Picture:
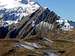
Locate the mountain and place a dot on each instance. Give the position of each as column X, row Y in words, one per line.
column 72, row 23
column 17, row 21
column 15, row 9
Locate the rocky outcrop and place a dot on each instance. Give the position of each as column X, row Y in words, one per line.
column 25, row 27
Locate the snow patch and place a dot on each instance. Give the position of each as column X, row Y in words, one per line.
column 18, row 8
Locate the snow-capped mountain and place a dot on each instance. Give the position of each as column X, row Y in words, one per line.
column 66, row 25
column 12, row 10
column 33, row 14
column 8, row 4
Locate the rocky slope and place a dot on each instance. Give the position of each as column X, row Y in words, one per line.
column 40, row 15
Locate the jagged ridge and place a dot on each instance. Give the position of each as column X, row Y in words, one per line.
column 25, row 28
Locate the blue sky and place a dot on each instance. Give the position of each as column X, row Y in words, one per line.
column 64, row 8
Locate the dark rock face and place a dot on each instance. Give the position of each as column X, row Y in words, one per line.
column 11, row 14
column 24, row 1
column 10, row 17
column 25, row 28
column 3, row 32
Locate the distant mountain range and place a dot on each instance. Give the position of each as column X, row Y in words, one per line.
column 72, row 23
